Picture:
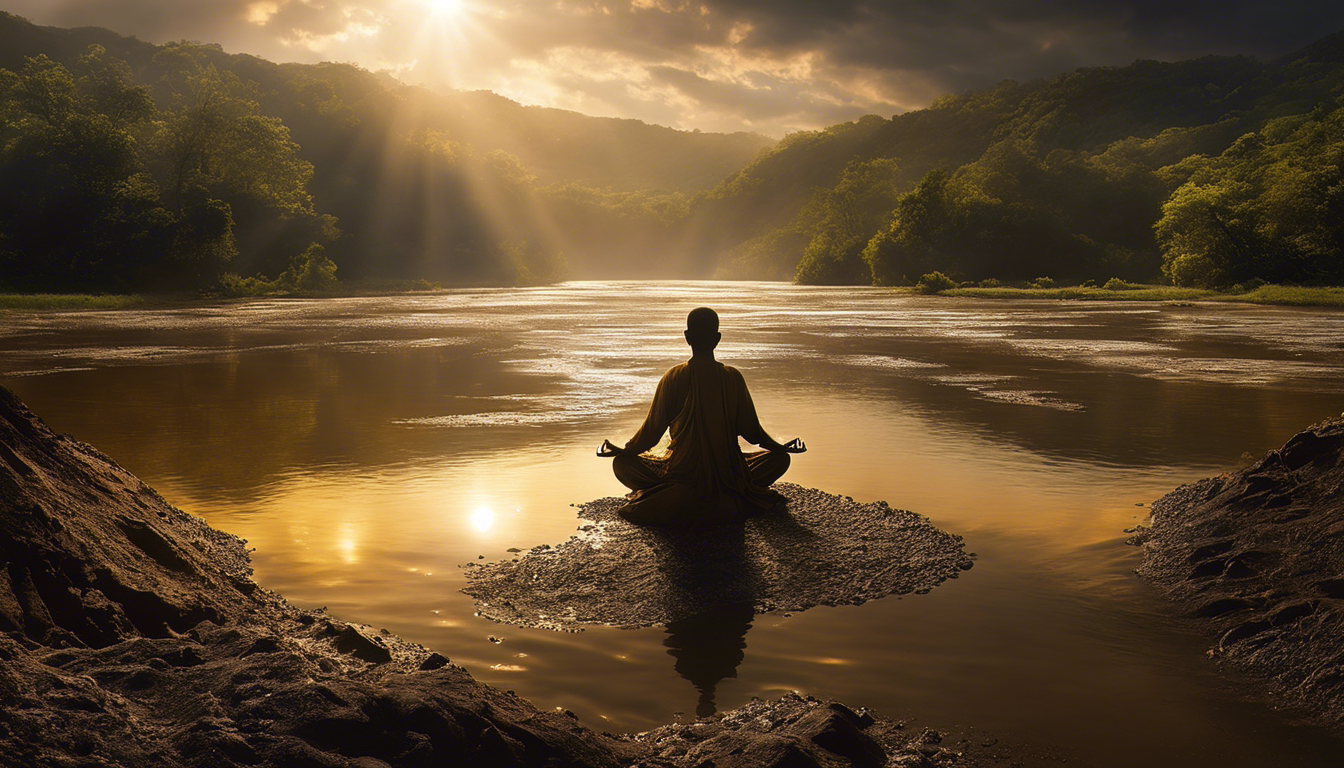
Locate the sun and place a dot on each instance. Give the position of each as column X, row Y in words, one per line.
column 445, row 8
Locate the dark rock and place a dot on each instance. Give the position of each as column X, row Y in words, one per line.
column 263, row 645
column 838, row 731
column 361, row 646
column 1221, row 606
column 434, row 661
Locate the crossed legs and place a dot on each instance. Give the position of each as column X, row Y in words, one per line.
column 639, row 473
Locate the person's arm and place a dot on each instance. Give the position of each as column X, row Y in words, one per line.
column 655, row 424
column 749, row 424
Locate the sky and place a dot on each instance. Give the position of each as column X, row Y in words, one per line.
column 770, row 66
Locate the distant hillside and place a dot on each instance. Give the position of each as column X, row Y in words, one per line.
column 1074, row 161
column 561, row 146
column 396, row 182
column 555, row 145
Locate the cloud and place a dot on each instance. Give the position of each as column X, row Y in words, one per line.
column 768, row 65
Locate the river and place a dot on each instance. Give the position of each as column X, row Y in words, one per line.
column 369, row 447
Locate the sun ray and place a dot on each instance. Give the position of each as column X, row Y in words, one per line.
column 445, row 9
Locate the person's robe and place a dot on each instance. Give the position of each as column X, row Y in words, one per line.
column 705, row 406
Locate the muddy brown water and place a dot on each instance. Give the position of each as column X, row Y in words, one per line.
column 368, row 447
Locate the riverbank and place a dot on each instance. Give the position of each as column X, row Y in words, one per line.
column 1256, row 558
column 168, row 300
column 1276, row 295
column 132, row 633
column 1282, row 295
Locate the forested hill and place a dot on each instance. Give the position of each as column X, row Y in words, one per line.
column 131, row 166
column 557, row 146
column 1210, row 171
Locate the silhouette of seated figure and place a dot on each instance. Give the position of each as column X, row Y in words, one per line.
column 704, row 477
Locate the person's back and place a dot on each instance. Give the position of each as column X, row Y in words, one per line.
column 704, row 476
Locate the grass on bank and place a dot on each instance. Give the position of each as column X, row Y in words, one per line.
column 1295, row 295
column 1116, row 289
column 21, row 302
column 1138, row 293
column 1292, row 295
column 35, row 301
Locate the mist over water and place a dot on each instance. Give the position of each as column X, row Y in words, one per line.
column 368, row 447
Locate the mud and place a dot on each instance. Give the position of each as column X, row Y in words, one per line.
column 822, row 550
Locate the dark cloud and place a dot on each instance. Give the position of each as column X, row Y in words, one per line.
column 771, row 65
column 760, row 100
column 965, row 43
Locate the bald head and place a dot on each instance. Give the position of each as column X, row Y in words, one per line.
column 702, row 330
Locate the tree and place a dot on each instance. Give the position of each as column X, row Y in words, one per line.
column 77, row 208
column 841, row 219
column 214, row 144
column 213, row 135
column 920, row 235
column 1271, row 207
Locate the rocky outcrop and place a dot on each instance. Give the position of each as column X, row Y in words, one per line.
column 1257, row 556
column 131, row 633
column 134, row 635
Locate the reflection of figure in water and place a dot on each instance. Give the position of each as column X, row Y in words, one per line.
column 708, row 649
column 704, row 476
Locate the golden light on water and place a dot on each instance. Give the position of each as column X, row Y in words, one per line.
column 348, row 546
column 483, row 518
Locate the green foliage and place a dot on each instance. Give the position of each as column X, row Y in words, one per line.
column 78, row 206
column 831, row 258
column 1065, row 177
column 533, row 263
column 213, row 135
column 1043, row 282
column 838, row 221
column 1270, row 207
column 765, row 257
column 27, row 302
column 922, row 229
column 934, row 282
column 1116, row 284
column 310, row 271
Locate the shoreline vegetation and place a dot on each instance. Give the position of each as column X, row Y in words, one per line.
column 1278, row 295
column 1283, row 295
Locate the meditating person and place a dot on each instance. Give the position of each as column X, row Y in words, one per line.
column 703, row 477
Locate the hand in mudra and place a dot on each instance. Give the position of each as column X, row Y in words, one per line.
column 608, row 449
column 796, row 445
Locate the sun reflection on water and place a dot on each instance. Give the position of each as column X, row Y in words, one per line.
column 483, row 518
